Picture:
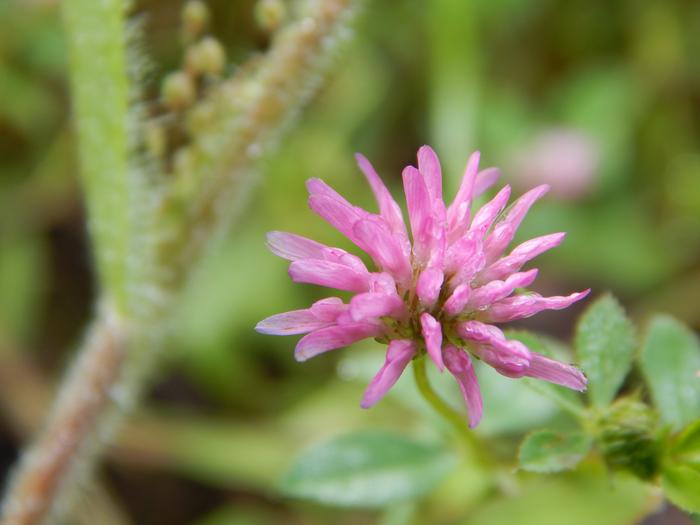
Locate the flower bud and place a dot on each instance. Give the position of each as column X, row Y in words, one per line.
column 627, row 437
column 178, row 90
column 270, row 14
column 206, row 57
column 195, row 16
column 155, row 139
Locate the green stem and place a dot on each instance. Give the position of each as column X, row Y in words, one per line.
column 456, row 419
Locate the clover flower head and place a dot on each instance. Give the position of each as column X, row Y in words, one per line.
column 440, row 291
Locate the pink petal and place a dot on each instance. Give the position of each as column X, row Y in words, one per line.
column 329, row 274
column 419, row 212
column 398, row 355
column 384, row 248
column 461, row 367
column 520, row 255
column 429, row 167
column 334, row 337
column 388, row 208
column 542, row 367
column 488, row 212
column 522, row 306
column 382, row 282
column 373, row 305
column 497, row 290
column 291, row 323
column 329, row 309
column 458, row 300
column 464, row 259
column 432, row 334
column 458, row 212
column 294, row 247
column 504, row 231
column 428, row 286
column 510, row 358
column 485, row 179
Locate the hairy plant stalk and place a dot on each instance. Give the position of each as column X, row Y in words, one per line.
column 75, row 427
column 158, row 240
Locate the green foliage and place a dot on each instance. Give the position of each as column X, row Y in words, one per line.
column 548, row 451
column 367, row 469
column 604, row 345
column 681, row 483
column 686, row 446
column 670, row 360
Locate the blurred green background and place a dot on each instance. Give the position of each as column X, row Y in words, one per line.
column 600, row 99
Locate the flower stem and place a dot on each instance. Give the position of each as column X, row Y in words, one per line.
column 441, row 407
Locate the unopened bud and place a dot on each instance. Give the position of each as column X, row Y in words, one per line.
column 178, row 90
column 195, row 16
column 155, row 139
column 200, row 117
column 206, row 57
column 627, row 437
column 270, row 14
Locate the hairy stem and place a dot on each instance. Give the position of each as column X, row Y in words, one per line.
column 73, row 429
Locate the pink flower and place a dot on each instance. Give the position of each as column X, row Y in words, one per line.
column 437, row 292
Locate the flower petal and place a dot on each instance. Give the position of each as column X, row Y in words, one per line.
column 294, row 247
column 428, row 286
column 485, row 179
column 398, row 355
column 291, row 323
column 329, row 274
column 372, row 305
column 542, row 367
column 329, row 309
column 488, row 212
column 504, row 231
column 419, row 212
column 510, row 358
column 333, row 337
column 384, row 248
column 388, row 208
column 461, row 367
column 520, row 255
column 497, row 290
column 432, row 334
column 465, row 259
column 458, row 300
column 429, row 167
column 522, row 306
column 458, row 212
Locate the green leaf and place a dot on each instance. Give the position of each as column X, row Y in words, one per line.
column 670, row 362
column 605, row 343
column 682, row 486
column 367, row 469
column 548, row 451
column 687, row 444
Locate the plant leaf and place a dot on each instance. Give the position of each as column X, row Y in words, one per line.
column 670, row 362
column 548, row 451
column 605, row 342
column 687, row 444
column 367, row 469
column 682, row 486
